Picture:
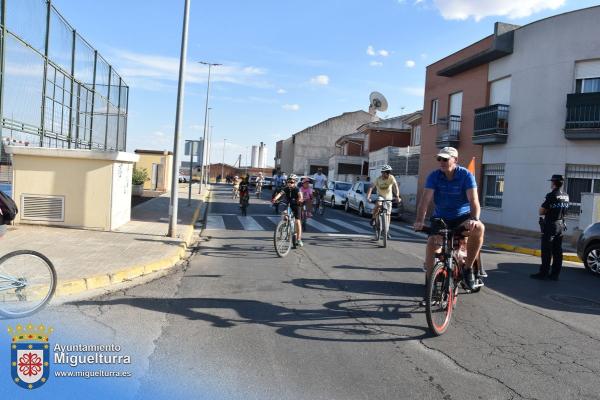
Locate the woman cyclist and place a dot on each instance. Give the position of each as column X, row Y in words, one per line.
column 293, row 197
column 307, row 196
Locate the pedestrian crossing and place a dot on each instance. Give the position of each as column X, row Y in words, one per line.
column 330, row 226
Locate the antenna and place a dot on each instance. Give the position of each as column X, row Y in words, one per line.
column 377, row 102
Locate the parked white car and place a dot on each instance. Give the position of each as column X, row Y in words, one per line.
column 357, row 200
column 336, row 193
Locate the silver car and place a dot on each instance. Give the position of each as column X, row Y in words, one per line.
column 336, row 193
column 356, row 199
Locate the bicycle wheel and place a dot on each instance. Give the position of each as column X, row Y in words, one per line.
column 383, row 224
column 282, row 239
column 439, row 300
column 377, row 229
column 27, row 283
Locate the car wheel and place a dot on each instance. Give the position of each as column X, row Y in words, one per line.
column 332, row 203
column 591, row 258
column 347, row 206
column 361, row 210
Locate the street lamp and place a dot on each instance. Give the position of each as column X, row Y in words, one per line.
column 205, row 119
column 178, row 118
column 223, row 161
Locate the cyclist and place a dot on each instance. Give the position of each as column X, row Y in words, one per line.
column 260, row 180
column 386, row 186
column 278, row 184
column 236, row 186
column 307, row 196
column 244, row 189
column 453, row 190
column 293, row 197
column 320, row 185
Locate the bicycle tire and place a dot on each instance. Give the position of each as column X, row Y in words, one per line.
column 282, row 239
column 438, row 291
column 42, row 291
column 384, row 233
column 377, row 230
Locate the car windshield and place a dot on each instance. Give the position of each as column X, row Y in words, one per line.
column 343, row 186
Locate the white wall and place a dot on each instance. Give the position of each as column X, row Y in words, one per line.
column 542, row 74
column 121, row 195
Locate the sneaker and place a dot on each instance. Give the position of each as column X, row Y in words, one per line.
column 299, row 243
column 373, row 222
column 538, row 276
column 481, row 273
column 423, row 302
column 469, row 279
column 389, row 235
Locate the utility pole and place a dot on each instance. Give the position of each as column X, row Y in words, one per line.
column 178, row 118
column 223, row 161
column 210, row 132
column 205, row 120
column 205, row 175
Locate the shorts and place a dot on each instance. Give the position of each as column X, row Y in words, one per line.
column 295, row 210
column 451, row 223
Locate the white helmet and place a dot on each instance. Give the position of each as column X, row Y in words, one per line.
column 292, row 177
column 236, row 177
column 386, row 168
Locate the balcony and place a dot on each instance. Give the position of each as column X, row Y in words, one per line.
column 448, row 131
column 491, row 124
column 583, row 116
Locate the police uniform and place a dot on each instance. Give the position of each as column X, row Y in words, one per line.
column 556, row 205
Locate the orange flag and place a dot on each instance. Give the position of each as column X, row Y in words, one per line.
column 471, row 166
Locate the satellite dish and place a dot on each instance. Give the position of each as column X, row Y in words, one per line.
column 377, row 102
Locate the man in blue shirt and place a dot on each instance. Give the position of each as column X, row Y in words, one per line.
column 453, row 190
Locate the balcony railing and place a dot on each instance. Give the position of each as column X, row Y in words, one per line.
column 448, row 131
column 491, row 124
column 583, row 116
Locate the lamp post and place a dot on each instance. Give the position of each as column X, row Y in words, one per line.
column 206, row 154
column 223, row 161
column 178, row 118
column 205, row 120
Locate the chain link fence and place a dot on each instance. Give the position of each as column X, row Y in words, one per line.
column 56, row 90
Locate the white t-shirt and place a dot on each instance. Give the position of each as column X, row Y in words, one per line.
column 319, row 181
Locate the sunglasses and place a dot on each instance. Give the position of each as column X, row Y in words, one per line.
column 442, row 159
column 386, row 172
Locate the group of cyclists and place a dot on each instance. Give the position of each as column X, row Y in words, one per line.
column 452, row 189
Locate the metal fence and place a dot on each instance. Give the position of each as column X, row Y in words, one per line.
column 56, row 90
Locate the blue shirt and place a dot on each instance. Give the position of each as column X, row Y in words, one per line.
column 450, row 197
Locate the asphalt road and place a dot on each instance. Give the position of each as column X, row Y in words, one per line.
column 339, row 319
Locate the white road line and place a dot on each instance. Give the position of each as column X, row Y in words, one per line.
column 319, row 226
column 250, row 224
column 351, row 227
column 350, row 235
column 215, row 222
column 398, row 228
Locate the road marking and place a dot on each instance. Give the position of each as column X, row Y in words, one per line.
column 250, row 224
column 215, row 222
column 399, row 228
column 274, row 219
column 350, row 226
column 350, row 235
column 321, row 227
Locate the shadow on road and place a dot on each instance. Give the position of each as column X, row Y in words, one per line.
column 336, row 321
column 577, row 290
column 380, row 288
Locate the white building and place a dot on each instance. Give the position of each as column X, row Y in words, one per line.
column 548, row 91
column 311, row 148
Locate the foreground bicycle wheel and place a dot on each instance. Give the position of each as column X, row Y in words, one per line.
column 439, row 300
column 27, row 283
column 384, row 227
column 282, row 238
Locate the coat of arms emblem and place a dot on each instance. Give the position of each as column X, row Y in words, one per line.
column 30, row 355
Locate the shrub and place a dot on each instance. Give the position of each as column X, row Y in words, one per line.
column 139, row 176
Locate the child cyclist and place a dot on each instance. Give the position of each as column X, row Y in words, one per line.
column 307, row 196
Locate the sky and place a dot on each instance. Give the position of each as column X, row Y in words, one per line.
column 287, row 65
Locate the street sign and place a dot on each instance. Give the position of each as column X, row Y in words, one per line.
column 194, row 147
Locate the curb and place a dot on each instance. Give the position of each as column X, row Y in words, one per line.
column 80, row 285
column 572, row 257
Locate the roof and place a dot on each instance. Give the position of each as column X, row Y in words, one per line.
column 155, row 152
column 351, row 136
column 399, row 123
column 333, row 118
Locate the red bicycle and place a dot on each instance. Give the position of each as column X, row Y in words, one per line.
column 443, row 285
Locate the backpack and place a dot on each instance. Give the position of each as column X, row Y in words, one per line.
column 8, row 207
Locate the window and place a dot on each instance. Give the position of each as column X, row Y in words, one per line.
column 587, row 85
column 493, row 185
column 581, row 179
column 434, row 111
column 416, row 135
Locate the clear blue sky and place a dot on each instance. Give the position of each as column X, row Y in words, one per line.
column 287, row 64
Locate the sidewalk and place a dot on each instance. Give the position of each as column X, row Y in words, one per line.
column 87, row 260
column 516, row 243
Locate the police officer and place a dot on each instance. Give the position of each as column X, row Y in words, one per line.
column 553, row 226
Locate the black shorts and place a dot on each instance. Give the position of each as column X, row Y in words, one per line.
column 450, row 223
